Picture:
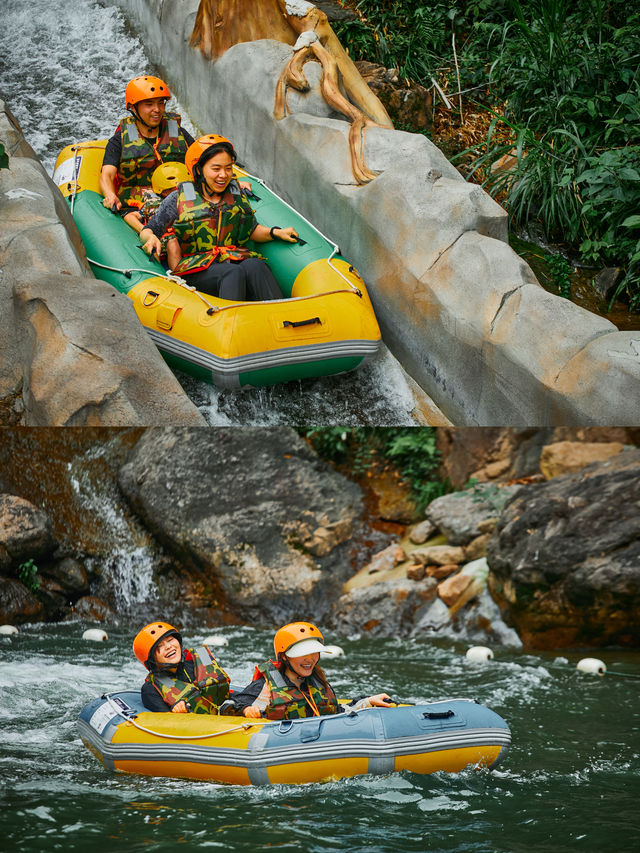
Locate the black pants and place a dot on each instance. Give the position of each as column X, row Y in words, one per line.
column 250, row 280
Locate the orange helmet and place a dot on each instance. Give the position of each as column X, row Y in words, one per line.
column 146, row 639
column 197, row 148
column 144, row 88
column 168, row 176
column 297, row 639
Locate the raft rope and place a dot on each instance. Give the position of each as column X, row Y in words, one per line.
column 169, row 276
column 215, row 309
column 241, row 727
column 131, row 720
column 335, row 247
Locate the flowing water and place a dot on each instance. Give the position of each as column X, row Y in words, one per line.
column 571, row 780
column 63, row 70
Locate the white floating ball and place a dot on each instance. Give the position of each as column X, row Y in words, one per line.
column 97, row 635
column 215, row 640
column 592, row 665
column 8, row 630
column 332, row 652
column 479, row 653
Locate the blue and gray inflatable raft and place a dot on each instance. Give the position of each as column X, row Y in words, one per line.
column 448, row 735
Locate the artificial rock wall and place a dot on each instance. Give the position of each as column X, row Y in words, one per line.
column 72, row 351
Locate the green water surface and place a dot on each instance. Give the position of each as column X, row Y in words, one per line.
column 570, row 782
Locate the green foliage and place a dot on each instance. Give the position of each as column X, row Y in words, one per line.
column 4, row 157
column 564, row 80
column 560, row 270
column 28, row 573
column 569, row 76
column 412, row 451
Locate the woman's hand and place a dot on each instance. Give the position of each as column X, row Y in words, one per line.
column 180, row 708
column 288, row 235
column 252, row 711
column 380, row 700
column 245, row 186
column 151, row 242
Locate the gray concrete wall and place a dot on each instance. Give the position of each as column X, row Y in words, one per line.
column 72, row 350
column 459, row 309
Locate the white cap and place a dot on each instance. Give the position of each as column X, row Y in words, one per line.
column 305, row 647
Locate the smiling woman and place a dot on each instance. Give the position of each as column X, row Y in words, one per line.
column 294, row 686
column 181, row 682
column 213, row 222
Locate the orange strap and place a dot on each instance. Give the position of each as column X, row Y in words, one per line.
column 311, row 703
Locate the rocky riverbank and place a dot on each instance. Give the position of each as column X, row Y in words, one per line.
column 251, row 526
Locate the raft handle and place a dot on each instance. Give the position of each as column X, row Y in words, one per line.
column 438, row 715
column 150, row 294
column 309, row 322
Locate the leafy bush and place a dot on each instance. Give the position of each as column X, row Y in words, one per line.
column 412, row 451
column 568, row 74
column 562, row 80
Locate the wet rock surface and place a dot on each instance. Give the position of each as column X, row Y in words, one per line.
column 25, row 531
column 250, row 525
column 565, row 557
column 252, row 512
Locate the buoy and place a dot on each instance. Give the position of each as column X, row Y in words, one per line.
column 479, row 653
column 215, row 640
column 8, row 630
column 592, row 665
column 95, row 634
column 332, row 652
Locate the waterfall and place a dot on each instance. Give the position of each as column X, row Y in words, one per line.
column 126, row 566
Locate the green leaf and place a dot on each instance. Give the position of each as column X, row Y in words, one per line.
column 4, row 158
column 631, row 222
column 629, row 174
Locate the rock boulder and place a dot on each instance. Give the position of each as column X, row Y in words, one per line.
column 25, row 530
column 458, row 515
column 242, row 508
column 565, row 457
column 17, row 604
column 565, row 557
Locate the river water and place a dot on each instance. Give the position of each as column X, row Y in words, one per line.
column 570, row 782
column 63, row 70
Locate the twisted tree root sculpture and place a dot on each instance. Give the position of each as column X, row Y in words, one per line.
column 222, row 23
column 307, row 48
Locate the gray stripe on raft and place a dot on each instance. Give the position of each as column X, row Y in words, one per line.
column 258, row 773
column 260, row 758
column 225, row 370
column 383, row 763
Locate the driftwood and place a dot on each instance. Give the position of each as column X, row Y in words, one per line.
column 222, row 23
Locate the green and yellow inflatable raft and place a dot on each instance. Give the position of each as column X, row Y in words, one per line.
column 326, row 325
